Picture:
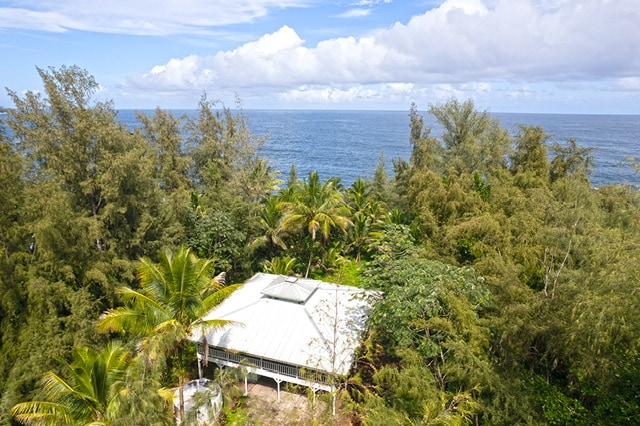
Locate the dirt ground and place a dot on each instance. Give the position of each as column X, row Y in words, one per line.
column 264, row 409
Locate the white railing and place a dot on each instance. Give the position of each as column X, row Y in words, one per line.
column 298, row 372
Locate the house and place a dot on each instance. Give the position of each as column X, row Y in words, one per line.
column 295, row 330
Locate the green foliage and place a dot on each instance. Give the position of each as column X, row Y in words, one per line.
column 225, row 160
column 367, row 218
column 163, row 131
column 426, row 152
column 380, row 184
column 280, row 266
column 548, row 334
column 14, row 244
column 473, row 141
column 551, row 248
column 482, row 187
column 428, row 310
column 349, row 273
column 211, row 234
column 94, row 160
column 293, row 176
column 557, row 408
column 83, row 197
column 270, row 234
column 570, row 159
column 232, row 181
column 88, row 396
column 11, row 192
column 174, row 297
column 416, row 292
column 429, row 328
column 142, row 399
column 530, row 161
column 314, row 209
column 57, row 318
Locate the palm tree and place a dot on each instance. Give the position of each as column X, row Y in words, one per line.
column 366, row 213
column 364, row 231
column 317, row 207
column 174, row 297
column 89, row 396
column 269, row 223
column 280, row 265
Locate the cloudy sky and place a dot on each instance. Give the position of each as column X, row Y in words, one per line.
column 573, row 56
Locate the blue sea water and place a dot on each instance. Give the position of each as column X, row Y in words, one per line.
column 348, row 144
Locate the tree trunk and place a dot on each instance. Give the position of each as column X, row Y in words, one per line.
column 306, row 275
column 181, row 397
column 181, row 377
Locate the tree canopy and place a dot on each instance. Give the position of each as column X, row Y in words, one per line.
column 508, row 283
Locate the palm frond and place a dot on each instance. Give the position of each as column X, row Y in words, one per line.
column 124, row 319
column 214, row 299
column 42, row 413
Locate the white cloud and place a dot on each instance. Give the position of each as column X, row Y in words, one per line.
column 463, row 48
column 521, row 50
column 355, row 13
column 24, row 18
column 461, row 40
column 140, row 17
column 372, row 2
column 350, row 94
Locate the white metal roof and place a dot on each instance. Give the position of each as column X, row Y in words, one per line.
column 302, row 322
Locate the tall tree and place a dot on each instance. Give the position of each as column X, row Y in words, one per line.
column 174, row 297
column 426, row 152
column 380, row 184
column 164, row 133
column 530, row 161
column 70, row 139
column 228, row 171
column 473, row 141
column 430, row 344
column 11, row 192
column 225, row 157
column 14, row 244
column 571, row 159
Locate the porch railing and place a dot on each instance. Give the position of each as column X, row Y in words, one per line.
column 295, row 371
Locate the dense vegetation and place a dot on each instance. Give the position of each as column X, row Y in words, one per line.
column 510, row 284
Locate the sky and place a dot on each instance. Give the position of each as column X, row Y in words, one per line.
column 547, row 56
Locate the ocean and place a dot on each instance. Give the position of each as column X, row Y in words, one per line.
column 348, row 144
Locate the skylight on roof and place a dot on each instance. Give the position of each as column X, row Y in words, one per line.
column 290, row 289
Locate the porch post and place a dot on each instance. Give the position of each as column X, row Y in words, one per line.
column 278, row 380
